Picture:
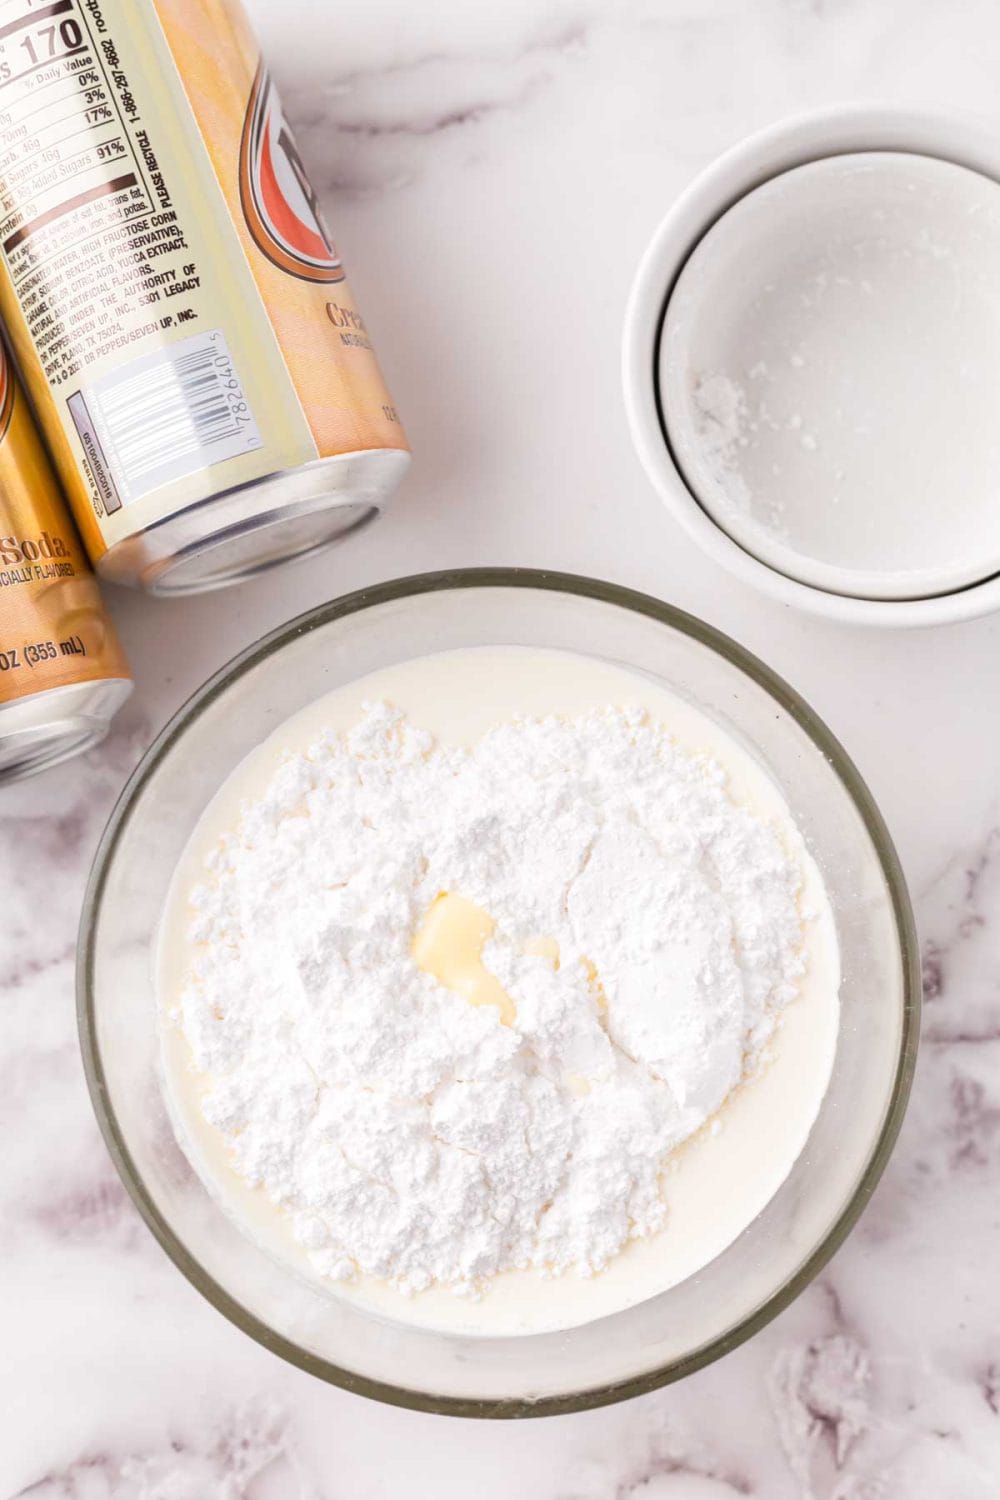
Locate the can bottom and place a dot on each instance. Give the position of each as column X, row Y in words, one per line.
column 244, row 531
column 48, row 727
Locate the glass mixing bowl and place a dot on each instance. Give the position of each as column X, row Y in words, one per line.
column 776, row 1255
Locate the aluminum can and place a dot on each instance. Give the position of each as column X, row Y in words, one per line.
column 63, row 675
column 202, row 376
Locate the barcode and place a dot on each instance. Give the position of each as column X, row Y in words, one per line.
column 169, row 413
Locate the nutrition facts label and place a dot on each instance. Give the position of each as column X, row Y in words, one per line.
column 107, row 277
column 88, row 229
column 163, row 282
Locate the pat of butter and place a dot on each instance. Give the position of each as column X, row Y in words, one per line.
column 543, row 947
column 449, row 946
column 594, row 981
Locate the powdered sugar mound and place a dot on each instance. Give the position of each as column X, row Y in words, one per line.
column 410, row 1135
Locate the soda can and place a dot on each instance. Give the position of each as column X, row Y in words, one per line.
column 202, row 375
column 62, row 672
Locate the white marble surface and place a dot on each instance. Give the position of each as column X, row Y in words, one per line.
column 492, row 174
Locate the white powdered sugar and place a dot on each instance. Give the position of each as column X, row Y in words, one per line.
column 408, row 1134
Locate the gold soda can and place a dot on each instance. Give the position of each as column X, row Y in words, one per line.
column 63, row 675
column 177, row 308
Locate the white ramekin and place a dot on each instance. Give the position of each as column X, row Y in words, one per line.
column 966, row 139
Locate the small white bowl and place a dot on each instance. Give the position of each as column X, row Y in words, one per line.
column 693, row 249
column 829, row 369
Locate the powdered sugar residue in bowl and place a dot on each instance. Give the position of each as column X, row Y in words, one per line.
column 826, row 370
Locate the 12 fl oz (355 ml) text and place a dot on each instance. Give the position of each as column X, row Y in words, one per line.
column 35, row 652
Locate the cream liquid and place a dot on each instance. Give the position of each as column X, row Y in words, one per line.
column 718, row 1181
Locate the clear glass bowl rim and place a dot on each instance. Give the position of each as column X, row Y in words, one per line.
column 828, row 745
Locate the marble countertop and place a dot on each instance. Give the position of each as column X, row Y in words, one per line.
column 492, row 175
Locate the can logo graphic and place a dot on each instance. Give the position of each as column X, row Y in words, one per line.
column 281, row 209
